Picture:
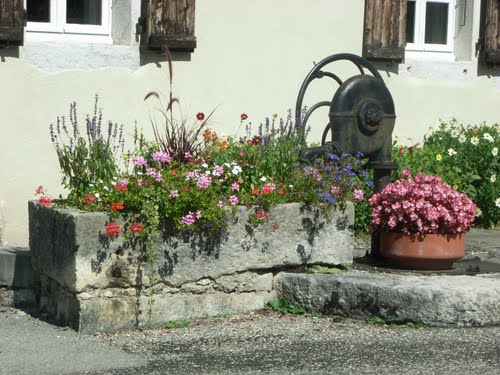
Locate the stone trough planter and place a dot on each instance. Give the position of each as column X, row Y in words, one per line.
column 96, row 286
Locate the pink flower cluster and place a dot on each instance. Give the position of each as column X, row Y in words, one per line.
column 161, row 157
column 152, row 172
column 139, row 161
column 421, row 205
column 204, row 181
column 190, row 218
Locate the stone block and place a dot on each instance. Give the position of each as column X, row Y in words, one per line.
column 70, row 247
column 15, row 268
column 433, row 300
column 97, row 285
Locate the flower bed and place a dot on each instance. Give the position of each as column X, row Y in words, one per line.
column 94, row 284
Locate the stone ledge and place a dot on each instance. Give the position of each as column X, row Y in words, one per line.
column 455, row 301
column 15, row 267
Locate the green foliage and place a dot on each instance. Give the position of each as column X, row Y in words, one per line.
column 284, row 307
column 465, row 157
column 177, row 324
column 89, row 158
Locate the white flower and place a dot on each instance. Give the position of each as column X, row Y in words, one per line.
column 236, row 170
column 493, row 178
column 139, row 173
column 497, row 202
column 100, row 181
column 474, row 141
column 91, row 185
column 115, row 178
column 455, row 133
column 97, row 195
column 204, row 165
column 263, row 179
column 462, row 138
column 479, row 212
column 494, row 151
column 451, row 152
column 105, row 188
column 290, row 186
column 488, row 137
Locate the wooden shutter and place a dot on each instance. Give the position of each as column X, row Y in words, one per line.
column 492, row 32
column 11, row 21
column 384, row 36
column 171, row 23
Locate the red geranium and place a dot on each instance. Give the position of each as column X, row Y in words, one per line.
column 45, row 201
column 112, row 230
column 136, row 227
column 117, row 206
column 255, row 192
column 120, row 186
column 243, row 116
column 262, row 215
column 89, row 198
column 200, row 116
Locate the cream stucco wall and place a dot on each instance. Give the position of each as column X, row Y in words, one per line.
column 251, row 57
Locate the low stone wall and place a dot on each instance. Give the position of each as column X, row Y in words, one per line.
column 97, row 285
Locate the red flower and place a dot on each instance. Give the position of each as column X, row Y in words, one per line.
column 255, row 192
column 200, row 116
column 173, row 171
column 120, row 186
column 39, row 189
column 89, row 198
column 266, row 190
column 410, row 149
column 243, row 116
column 112, row 230
column 401, row 150
column 262, row 215
column 281, row 191
column 45, row 201
column 186, row 187
column 136, row 227
column 117, row 206
column 254, row 141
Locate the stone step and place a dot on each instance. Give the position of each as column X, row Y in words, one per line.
column 17, row 279
column 453, row 301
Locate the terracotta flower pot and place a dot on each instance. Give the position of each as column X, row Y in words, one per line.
column 427, row 252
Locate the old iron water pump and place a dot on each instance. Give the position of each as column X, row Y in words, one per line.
column 361, row 119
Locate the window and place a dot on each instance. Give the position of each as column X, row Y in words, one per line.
column 429, row 25
column 69, row 20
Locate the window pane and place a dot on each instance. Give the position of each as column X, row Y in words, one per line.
column 86, row 12
column 436, row 23
column 410, row 22
column 38, row 10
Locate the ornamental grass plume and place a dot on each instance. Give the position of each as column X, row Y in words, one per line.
column 421, row 205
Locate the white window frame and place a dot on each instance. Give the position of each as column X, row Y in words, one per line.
column 419, row 32
column 57, row 30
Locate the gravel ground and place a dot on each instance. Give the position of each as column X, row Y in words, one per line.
column 266, row 342
column 263, row 342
